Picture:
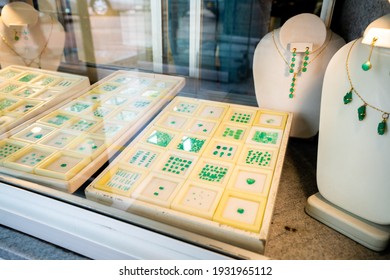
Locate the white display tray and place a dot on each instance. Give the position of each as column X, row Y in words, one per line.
column 26, row 92
column 65, row 147
column 169, row 172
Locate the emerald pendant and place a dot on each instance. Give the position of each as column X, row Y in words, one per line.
column 362, row 112
column 382, row 127
column 366, row 65
column 348, row 97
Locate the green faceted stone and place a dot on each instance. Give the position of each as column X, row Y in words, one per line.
column 292, row 65
column 366, row 66
column 291, row 95
column 362, row 112
column 348, row 97
column 291, row 90
column 292, row 84
column 291, row 70
column 382, row 127
column 304, row 69
column 250, row 181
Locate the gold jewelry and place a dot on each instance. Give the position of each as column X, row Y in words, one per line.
column 305, row 61
column 367, row 65
column 382, row 127
column 28, row 61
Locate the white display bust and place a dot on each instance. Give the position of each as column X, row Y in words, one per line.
column 353, row 159
column 30, row 38
column 271, row 70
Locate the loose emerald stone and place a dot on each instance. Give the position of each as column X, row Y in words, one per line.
column 240, row 211
column 362, row 112
column 250, row 181
column 348, row 97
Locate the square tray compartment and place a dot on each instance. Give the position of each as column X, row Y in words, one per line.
column 34, row 133
column 9, row 147
column 254, row 181
column 142, row 156
column 202, row 127
column 223, row 150
column 158, row 189
column 241, row 210
column 272, row 119
column 232, row 132
column 213, row 172
column 88, row 145
column 121, row 180
column 27, row 159
column 197, row 199
column 62, row 165
column 59, row 139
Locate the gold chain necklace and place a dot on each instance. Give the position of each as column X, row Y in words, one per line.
column 305, row 63
column 28, row 61
column 362, row 109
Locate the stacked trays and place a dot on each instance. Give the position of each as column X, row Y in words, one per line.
column 65, row 147
column 208, row 167
column 26, row 92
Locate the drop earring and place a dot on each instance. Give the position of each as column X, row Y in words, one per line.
column 16, row 36
column 291, row 70
column 367, row 65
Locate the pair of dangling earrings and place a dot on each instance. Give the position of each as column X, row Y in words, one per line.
column 305, row 62
column 367, row 65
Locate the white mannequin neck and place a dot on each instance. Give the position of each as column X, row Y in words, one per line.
column 19, row 14
column 30, row 38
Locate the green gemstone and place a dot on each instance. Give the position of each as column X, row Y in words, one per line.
column 292, row 84
column 291, row 90
column 291, row 95
column 250, row 181
column 304, row 69
column 240, row 211
column 293, row 59
column 306, row 58
column 362, row 112
column 305, row 63
column 382, row 127
column 348, row 97
column 292, row 65
column 366, row 66
column 291, row 70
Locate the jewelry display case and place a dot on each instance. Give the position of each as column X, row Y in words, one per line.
column 168, row 153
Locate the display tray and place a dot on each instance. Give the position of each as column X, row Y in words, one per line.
column 207, row 167
column 27, row 92
column 66, row 146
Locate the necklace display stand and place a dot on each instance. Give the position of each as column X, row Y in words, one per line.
column 353, row 158
column 30, row 38
column 272, row 76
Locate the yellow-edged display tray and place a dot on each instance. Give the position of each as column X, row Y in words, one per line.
column 207, row 167
column 65, row 147
column 27, row 92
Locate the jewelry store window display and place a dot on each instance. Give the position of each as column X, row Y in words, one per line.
column 353, row 152
column 289, row 65
column 30, row 38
